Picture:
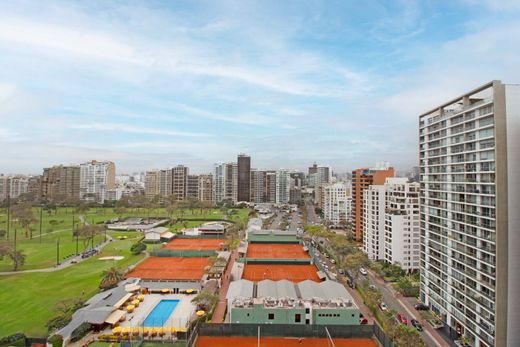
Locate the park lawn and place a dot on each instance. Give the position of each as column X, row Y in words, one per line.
column 27, row 299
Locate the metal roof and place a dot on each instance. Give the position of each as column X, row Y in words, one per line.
column 240, row 288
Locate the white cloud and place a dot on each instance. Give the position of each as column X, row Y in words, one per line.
column 134, row 129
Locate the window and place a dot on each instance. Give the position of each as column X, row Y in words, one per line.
column 270, row 316
column 297, row 318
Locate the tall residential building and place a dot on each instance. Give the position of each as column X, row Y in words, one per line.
column 17, row 186
column 319, row 175
column 179, row 182
column 34, row 187
column 270, row 187
column 218, row 182
column 361, row 180
column 205, row 188
column 374, row 205
column 244, row 178
column 470, row 193
column 164, row 181
column 4, row 187
column 95, row 178
column 151, row 183
column 192, row 187
column 60, row 183
column 225, row 182
column 337, row 202
column 258, row 192
column 282, row 186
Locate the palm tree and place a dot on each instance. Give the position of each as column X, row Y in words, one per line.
column 110, row 278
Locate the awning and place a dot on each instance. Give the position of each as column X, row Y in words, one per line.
column 115, row 317
column 167, row 235
column 132, row 287
column 123, row 300
column 321, row 275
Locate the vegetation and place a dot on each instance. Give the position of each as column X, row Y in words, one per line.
column 80, row 332
column 55, row 340
column 110, row 278
column 205, row 301
column 138, row 247
column 7, row 249
column 406, row 287
column 64, row 310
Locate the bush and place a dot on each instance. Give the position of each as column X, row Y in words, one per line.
column 58, row 322
column 80, row 332
column 137, row 248
column 17, row 339
column 55, row 340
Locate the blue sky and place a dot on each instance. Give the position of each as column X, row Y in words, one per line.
column 156, row 84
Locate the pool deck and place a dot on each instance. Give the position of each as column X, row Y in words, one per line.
column 179, row 318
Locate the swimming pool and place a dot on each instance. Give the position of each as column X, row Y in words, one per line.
column 160, row 313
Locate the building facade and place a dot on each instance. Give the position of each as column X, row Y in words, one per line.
column 258, row 184
column 283, row 180
column 180, row 182
column 374, row 205
column 244, row 178
column 361, row 180
column 205, row 190
column 468, row 156
column 60, row 183
column 96, row 177
column 337, row 202
column 151, row 184
column 192, row 187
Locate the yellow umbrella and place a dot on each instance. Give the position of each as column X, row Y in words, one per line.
column 135, row 302
column 181, row 330
column 125, row 331
column 200, row 313
column 173, row 330
column 135, row 331
column 146, row 331
column 130, row 308
column 189, row 291
column 116, row 330
column 140, row 297
column 162, row 331
column 165, row 290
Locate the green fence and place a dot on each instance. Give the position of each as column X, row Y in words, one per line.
column 182, row 253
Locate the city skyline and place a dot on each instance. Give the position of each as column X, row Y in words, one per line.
column 152, row 86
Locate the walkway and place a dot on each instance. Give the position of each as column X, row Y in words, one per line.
column 220, row 310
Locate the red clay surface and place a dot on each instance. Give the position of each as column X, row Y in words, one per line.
column 194, row 244
column 276, row 250
column 275, row 272
column 166, row 268
column 214, row 341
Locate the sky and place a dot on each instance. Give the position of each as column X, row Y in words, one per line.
column 154, row 84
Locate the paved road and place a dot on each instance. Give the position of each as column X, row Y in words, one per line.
column 312, row 217
column 218, row 315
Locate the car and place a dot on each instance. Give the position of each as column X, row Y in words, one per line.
column 402, row 318
column 383, row 306
column 416, row 324
column 362, row 319
column 372, row 287
column 333, row 261
column 363, row 271
column 421, row 307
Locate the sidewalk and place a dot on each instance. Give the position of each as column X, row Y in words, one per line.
column 218, row 315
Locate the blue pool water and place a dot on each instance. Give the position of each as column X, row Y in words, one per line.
column 160, row 313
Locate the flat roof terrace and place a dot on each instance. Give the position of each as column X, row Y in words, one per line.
column 170, row 268
column 276, row 250
column 276, row 272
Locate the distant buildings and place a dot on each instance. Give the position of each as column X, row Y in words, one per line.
column 60, row 183
column 469, row 176
column 95, row 178
column 179, row 182
column 337, row 202
column 282, row 186
column 192, row 187
column 361, row 180
column 225, row 182
column 205, row 191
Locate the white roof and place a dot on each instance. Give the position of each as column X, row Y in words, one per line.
column 240, row 288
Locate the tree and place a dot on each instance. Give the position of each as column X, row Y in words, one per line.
column 7, row 249
column 24, row 215
column 138, row 248
column 50, row 207
column 120, row 211
column 354, row 261
column 405, row 336
column 88, row 232
column 171, row 208
column 205, row 300
column 110, row 278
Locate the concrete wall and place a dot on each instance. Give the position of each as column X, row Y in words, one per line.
column 258, row 314
column 344, row 316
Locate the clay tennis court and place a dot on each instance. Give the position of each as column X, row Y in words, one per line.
column 214, row 341
column 275, row 272
column 194, row 244
column 276, row 250
column 166, row 268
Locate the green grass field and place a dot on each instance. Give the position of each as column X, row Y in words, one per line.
column 59, row 226
column 27, row 300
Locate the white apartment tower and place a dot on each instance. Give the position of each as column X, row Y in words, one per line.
column 225, row 182
column 283, row 186
column 401, row 223
column 337, row 202
column 373, row 215
column 470, row 192
column 95, row 178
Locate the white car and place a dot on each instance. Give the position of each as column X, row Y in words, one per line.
column 383, row 306
column 363, row 271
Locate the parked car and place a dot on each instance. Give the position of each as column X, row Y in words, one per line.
column 362, row 319
column 363, row 271
column 421, row 307
column 402, row 318
column 416, row 324
column 372, row 287
column 383, row 306
column 333, row 261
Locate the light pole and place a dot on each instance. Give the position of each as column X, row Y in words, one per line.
column 8, row 214
column 41, row 217
column 58, row 251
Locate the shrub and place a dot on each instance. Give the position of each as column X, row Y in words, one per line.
column 137, row 248
column 17, row 339
column 55, row 340
column 58, row 322
column 80, row 332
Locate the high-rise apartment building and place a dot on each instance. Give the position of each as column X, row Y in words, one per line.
column 179, row 182
column 4, row 187
column 225, row 182
column 361, row 180
column 205, row 190
column 470, row 254
column 282, row 186
column 374, row 205
column 337, row 202
column 95, row 178
column 17, row 186
column 258, row 185
column 60, row 183
column 244, row 178
column 151, row 183
column 270, row 187
column 192, row 187
column 164, row 180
